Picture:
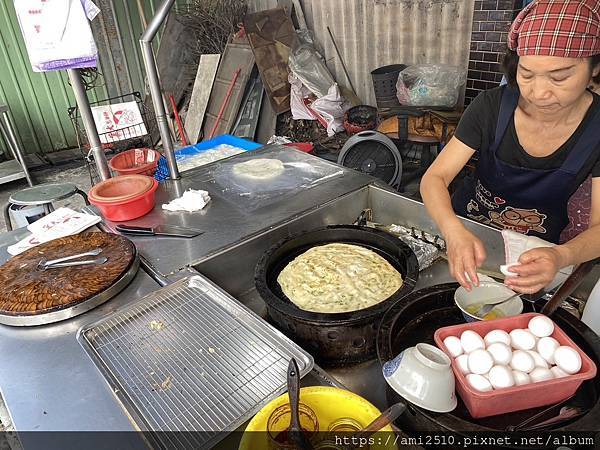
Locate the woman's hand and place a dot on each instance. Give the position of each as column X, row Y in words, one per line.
column 465, row 254
column 536, row 269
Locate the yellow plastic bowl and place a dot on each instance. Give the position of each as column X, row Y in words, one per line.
column 329, row 405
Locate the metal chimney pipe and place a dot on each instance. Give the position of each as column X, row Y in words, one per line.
column 154, row 82
column 87, row 118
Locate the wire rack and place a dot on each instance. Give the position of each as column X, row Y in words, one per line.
column 137, row 135
column 191, row 358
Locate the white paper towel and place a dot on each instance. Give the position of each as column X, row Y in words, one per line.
column 191, row 201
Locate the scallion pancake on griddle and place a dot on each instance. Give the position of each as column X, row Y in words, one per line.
column 335, row 278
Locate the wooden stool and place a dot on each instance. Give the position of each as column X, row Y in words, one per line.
column 41, row 195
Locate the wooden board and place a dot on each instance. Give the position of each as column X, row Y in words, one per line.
column 176, row 64
column 27, row 290
column 207, row 71
column 272, row 36
column 237, row 55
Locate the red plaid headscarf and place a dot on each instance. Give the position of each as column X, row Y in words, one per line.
column 565, row 28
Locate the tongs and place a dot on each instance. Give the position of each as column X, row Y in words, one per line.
column 67, row 261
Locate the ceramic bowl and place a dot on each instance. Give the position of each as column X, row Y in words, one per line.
column 423, row 375
column 487, row 290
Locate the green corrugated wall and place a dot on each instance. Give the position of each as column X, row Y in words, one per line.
column 38, row 102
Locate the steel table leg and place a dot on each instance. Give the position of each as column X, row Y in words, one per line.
column 14, row 145
column 7, row 217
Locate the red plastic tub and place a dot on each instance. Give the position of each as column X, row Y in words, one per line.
column 501, row 401
column 141, row 161
column 306, row 147
column 125, row 207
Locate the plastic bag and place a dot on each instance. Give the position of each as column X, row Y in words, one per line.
column 298, row 92
column 300, row 172
column 305, row 37
column 430, row 85
column 308, row 66
column 330, row 108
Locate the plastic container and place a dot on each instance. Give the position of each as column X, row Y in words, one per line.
column 306, row 147
column 120, row 188
column 141, row 161
column 162, row 171
column 384, row 85
column 360, row 118
column 126, row 207
column 329, row 404
column 501, row 401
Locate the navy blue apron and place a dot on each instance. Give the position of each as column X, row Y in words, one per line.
column 530, row 201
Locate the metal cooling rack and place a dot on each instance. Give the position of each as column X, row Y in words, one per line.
column 189, row 357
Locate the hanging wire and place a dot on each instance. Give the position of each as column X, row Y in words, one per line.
column 89, row 78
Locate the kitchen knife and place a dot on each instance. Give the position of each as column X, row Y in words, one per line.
column 161, row 230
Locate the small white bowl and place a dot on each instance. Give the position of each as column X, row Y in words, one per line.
column 423, row 375
column 487, row 290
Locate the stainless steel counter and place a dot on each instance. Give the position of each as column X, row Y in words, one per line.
column 47, row 380
column 49, row 383
column 224, row 221
column 366, row 378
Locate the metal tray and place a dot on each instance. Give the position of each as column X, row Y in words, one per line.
column 190, row 357
column 79, row 308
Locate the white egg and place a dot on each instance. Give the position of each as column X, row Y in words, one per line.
column 463, row 364
column 540, row 374
column 521, row 378
column 454, row 346
column 522, row 361
column 479, row 383
column 522, row 339
column 501, row 377
column 480, row 362
column 501, row 353
column 546, row 347
column 558, row 372
column 497, row 336
column 538, row 360
column 541, row 326
column 471, row 341
column 567, row 359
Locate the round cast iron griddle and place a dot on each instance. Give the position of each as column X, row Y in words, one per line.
column 27, row 294
column 415, row 319
column 336, row 337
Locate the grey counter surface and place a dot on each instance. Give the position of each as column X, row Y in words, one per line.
column 49, row 383
column 227, row 219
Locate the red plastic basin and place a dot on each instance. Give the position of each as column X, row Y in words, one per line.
column 124, row 209
column 120, row 188
column 135, row 161
column 501, row 401
column 306, row 147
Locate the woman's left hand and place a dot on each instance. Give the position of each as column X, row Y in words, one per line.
column 536, row 269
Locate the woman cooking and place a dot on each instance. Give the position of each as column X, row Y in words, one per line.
column 537, row 140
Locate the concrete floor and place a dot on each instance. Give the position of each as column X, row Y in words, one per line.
column 73, row 172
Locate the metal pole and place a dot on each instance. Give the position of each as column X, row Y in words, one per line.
column 154, row 82
column 13, row 145
column 142, row 13
column 337, row 50
column 83, row 104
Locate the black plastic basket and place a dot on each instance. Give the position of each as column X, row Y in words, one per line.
column 384, row 84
